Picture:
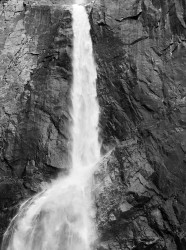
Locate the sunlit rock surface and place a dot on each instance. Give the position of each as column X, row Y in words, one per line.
column 140, row 50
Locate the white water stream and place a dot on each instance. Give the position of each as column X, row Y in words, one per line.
column 60, row 218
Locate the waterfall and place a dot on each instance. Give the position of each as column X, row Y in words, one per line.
column 85, row 151
column 60, row 218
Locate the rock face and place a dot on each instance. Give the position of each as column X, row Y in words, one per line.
column 36, row 74
column 140, row 49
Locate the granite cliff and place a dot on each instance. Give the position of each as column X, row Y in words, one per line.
column 36, row 72
column 140, row 51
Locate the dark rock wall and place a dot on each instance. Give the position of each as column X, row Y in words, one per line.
column 140, row 49
column 36, row 74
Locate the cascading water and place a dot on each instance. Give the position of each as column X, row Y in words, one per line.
column 86, row 151
column 61, row 216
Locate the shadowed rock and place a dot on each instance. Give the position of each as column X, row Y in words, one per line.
column 140, row 52
column 36, row 75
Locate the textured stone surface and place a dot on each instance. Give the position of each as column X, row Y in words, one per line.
column 140, row 48
column 35, row 78
column 140, row 51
